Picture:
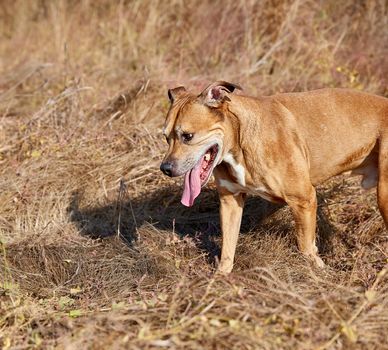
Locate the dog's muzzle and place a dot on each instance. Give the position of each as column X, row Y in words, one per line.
column 166, row 168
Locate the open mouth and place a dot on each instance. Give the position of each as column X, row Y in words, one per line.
column 198, row 176
column 207, row 163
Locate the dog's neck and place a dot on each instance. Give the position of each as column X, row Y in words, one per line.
column 239, row 133
column 233, row 153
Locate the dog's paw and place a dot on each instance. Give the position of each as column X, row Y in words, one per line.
column 317, row 261
column 224, row 269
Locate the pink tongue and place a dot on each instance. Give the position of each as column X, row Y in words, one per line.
column 192, row 185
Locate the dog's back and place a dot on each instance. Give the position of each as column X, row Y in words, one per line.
column 340, row 128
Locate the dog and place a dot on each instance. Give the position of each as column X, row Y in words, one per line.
column 278, row 147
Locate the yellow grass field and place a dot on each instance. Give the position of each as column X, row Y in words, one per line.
column 96, row 251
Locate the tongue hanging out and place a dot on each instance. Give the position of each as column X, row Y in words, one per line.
column 195, row 177
column 192, row 185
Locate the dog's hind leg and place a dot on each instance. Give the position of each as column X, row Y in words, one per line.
column 304, row 208
column 382, row 187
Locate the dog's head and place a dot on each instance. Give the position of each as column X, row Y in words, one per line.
column 195, row 130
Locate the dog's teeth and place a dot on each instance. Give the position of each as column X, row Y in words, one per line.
column 207, row 157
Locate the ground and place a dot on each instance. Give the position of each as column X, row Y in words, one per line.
column 96, row 250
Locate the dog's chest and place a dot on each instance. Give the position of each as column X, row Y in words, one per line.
column 237, row 183
column 236, row 169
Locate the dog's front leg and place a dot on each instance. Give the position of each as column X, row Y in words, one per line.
column 231, row 208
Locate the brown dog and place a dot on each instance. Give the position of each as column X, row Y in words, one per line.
column 278, row 147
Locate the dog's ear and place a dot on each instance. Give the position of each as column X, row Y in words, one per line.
column 174, row 93
column 215, row 94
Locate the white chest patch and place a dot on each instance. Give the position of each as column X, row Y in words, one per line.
column 230, row 186
column 237, row 169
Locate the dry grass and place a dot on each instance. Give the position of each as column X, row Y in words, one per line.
column 97, row 252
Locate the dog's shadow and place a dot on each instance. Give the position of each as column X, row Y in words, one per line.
column 163, row 210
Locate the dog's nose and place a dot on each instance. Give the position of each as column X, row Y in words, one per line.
column 166, row 168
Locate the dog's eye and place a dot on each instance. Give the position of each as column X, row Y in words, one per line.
column 187, row 137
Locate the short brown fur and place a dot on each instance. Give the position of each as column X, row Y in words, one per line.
column 279, row 147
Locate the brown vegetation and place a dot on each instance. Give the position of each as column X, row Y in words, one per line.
column 96, row 250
